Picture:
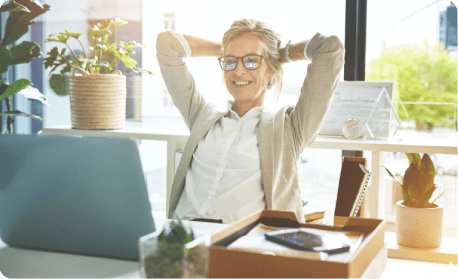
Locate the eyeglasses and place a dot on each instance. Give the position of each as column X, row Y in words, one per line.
column 250, row 62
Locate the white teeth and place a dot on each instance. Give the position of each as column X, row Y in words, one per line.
column 241, row 82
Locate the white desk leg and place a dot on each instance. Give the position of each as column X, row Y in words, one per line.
column 377, row 200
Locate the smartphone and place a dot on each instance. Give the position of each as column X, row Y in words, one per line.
column 301, row 240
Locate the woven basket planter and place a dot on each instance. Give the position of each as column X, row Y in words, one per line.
column 97, row 102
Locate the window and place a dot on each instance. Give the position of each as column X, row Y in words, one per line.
column 169, row 20
column 209, row 20
column 414, row 47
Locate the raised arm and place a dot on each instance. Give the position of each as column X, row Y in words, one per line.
column 171, row 52
column 201, row 47
column 327, row 57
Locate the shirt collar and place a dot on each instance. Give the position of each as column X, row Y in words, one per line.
column 252, row 113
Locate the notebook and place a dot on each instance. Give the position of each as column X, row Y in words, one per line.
column 82, row 195
column 354, row 178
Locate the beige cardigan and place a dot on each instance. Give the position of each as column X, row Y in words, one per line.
column 282, row 134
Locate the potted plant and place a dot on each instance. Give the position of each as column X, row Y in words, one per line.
column 98, row 91
column 21, row 15
column 418, row 221
column 175, row 252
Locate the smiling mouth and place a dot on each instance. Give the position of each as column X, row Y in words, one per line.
column 241, row 83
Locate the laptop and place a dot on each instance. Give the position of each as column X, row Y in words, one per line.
column 82, row 195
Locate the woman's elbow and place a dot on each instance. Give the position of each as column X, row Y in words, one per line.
column 162, row 41
column 339, row 49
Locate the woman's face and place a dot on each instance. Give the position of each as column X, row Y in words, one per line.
column 243, row 84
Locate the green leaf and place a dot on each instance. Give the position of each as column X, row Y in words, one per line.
column 118, row 21
column 131, row 44
column 128, row 61
column 25, row 52
column 96, row 31
column 105, row 38
column 73, row 35
column 6, row 59
column 411, row 181
column 3, row 86
column 423, row 200
column 103, row 64
column 18, row 22
column 51, row 58
column 15, row 87
column 35, row 7
column 438, row 197
column 33, row 94
column 66, row 69
column 63, row 38
column 404, row 193
column 138, row 70
column 58, row 84
column 427, row 167
column 20, row 113
column 13, row 6
column 414, row 157
column 388, row 171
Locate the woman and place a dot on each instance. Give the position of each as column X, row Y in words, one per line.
column 243, row 159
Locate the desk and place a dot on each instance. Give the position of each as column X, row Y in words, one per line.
column 25, row 263
column 176, row 140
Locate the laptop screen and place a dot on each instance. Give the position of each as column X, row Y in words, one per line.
column 84, row 195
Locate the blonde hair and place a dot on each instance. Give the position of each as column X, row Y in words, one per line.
column 271, row 41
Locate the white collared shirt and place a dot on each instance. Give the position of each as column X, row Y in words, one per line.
column 224, row 177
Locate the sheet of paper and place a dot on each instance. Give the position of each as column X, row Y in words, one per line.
column 349, row 102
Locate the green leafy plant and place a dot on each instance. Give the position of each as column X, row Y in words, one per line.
column 21, row 15
column 167, row 261
column 100, row 58
column 418, row 181
column 425, row 74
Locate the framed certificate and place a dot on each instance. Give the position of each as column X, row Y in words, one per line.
column 356, row 99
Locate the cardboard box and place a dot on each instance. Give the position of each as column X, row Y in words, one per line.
column 235, row 263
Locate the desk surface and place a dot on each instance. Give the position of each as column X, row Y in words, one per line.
column 428, row 143
column 25, row 263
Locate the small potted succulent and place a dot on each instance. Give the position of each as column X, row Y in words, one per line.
column 97, row 89
column 175, row 252
column 21, row 15
column 418, row 220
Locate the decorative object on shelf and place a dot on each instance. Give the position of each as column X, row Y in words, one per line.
column 418, row 221
column 352, row 128
column 98, row 92
column 175, row 252
column 383, row 117
column 21, row 15
column 354, row 99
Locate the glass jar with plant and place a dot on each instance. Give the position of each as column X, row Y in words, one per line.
column 21, row 15
column 418, row 220
column 98, row 93
column 175, row 252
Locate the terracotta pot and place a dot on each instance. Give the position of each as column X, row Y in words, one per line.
column 98, row 102
column 419, row 227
